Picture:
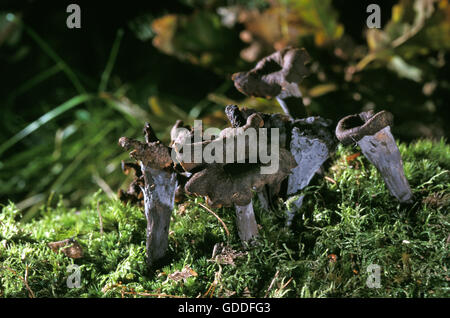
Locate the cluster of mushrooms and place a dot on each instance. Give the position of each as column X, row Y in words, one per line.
column 304, row 145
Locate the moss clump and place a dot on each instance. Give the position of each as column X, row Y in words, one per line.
column 342, row 228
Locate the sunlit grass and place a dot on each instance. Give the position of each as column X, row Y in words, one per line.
column 341, row 229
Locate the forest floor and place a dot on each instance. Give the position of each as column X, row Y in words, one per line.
column 348, row 222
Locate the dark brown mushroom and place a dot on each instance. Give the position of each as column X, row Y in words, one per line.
column 158, row 189
column 277, row 75
column 373, row 134
column 234, row 184
column 310, row 140
column 352, row 128
column 274, row 73
column 187, row 158
column 153, row 154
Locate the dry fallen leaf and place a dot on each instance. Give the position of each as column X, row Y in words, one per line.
column 69, row 247
column 183, row 275
column 352, row 157
column 225, row 254
column 247, row 293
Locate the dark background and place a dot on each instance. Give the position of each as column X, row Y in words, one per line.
column 42, row 167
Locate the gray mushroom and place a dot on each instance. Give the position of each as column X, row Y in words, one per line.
column 372, row 133
column 310, row 141
column 311, row 144
column 277, row 75
column 158, row 188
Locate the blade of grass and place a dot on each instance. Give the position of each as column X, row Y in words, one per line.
column 71, row 168
column 71, row 103
column 217, row 217
column 81, row 156
column 111, row 61
column 55, row 57
column 133, row 113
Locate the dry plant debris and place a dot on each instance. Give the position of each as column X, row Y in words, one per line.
column 69, row 247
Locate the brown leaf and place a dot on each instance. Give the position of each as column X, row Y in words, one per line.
column 333, row 258
column 437, row 200
column 352, row 157
column 226, row 255
column 183, row 274
column 69, row 247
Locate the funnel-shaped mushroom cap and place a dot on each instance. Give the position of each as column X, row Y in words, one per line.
column 352, row 128
column 186, row 151
column 234, row 184
column 374, row 137
column 274, row 74
column 152, row 152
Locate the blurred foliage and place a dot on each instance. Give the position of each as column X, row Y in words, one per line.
column 68, row 95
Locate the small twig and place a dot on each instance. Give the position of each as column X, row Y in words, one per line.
column 210, row 290
column 102, row 184
column 213, row 286
column 124, row 290
column 220, row 220
column 285, row 285
column 25, row 280
column 330, row 179
column 271, row 284
column 151, row 295
column 100, row 218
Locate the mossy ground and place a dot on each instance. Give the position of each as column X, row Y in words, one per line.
column 348, row 221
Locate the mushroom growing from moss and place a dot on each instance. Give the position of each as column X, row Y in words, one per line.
column 233, row 184
column 310, row 141
column 311, row 144
column 278, row 75
column 158, row 189
column 373, row 135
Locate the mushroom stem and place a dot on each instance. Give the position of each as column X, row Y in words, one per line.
column 311, row 147
column 264, row 199
column 159, row 195
column 383, row 153
column 284, row 106
column 246, row 222
column 158, row 188
column 292, row 106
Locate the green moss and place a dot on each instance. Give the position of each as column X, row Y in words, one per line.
column 342, row 228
